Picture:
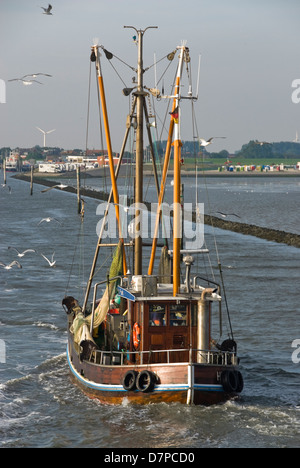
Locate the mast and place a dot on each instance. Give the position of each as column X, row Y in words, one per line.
column 140, row 95
column 177, row 184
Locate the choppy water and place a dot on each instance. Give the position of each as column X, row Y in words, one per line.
column 39, row 406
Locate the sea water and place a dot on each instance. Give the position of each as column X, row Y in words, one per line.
column 40, row 407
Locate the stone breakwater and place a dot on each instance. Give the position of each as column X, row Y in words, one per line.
column 272, row 235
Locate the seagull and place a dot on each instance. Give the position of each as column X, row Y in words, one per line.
column 52, row 261
column 60, row 186
column 125, row 208
column 22, row 254
column 47, row 11
column 224, row 215
column 9, row 267
column 26, row 82
column 208, row 142
column 34, row 75
column 48, row 220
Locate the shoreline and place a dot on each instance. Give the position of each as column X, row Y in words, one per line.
column 203, row 173
column 268, row 234
column 100, row 172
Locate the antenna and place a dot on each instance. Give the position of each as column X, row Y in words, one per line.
column 198, row 79
column 155, row 75
column 45, row 133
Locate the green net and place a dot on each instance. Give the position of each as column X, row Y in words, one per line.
column 82, row 324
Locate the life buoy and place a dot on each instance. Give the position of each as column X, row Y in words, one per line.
column 229, row 381
column 129, row 380
column 146, row 381
column 136, row 335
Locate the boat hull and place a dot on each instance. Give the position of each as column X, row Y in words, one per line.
column 186, row 383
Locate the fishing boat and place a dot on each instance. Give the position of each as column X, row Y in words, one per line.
column 11, row 164
column 148, row 335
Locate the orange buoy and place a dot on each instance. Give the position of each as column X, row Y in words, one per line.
column 136, row 335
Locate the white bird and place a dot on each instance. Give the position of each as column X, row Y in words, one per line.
column 51, row 262
column 48, row 220
column 224, row 215
column 9, row 267
column 60, row 186
column 207, row 142
column 47, row 11
column 22, row 254
column 26, row 82
column 125, row 208
column 34, row 75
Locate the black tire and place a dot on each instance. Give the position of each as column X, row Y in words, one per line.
column 145, row 381
column 129, row 381
column 229, row 381
column 240, row 380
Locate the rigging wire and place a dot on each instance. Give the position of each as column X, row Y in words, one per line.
column 109, row 56
column 215, row 239
column 88, row 110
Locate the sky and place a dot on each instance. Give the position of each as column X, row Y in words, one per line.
column 250, row 56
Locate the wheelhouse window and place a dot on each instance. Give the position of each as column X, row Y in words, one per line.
column 178, row 315
column 157, row 315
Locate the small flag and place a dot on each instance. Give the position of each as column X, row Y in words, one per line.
column 175, row 114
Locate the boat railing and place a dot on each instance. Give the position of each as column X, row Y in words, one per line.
column 212, row 357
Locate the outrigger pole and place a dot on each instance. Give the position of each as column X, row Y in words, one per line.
column 174, row 128
column 109, row 149
column 162, row 192
column 89, row 283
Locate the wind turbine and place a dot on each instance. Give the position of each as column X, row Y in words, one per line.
column 45, row 133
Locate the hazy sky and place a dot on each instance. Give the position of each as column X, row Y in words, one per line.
column 250, row 55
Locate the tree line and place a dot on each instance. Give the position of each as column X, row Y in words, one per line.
column 252, row 150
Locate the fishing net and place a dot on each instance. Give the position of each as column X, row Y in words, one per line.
column 81, row 325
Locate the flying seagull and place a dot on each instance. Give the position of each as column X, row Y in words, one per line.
column 26, row 82
column 9, row 267
column 34, row 75
column 47, row 11
column 48, row 220
column 52, row 261
column 224, row 215
column 22, row 254
column 60, row 186
column 125, row 208
column 207, row 142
